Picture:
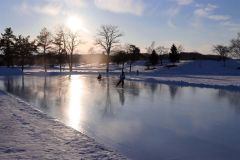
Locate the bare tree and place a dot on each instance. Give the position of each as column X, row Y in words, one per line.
column 91, row 50
column 161, row 50
column 235, row 46
column 60, row 46
column 151, row 48
column 72, row 40
column 107, row 38
column 44, row 41
column 223, row 51
column 180, row 48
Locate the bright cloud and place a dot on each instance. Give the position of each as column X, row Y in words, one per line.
column 51, row 9
column 135, row 7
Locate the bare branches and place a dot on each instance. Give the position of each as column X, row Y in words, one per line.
column 162, row 50
column 235, row 46
column 223, row 51
column 107, row 38
column 72, row 41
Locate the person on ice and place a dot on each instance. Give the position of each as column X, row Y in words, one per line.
column 121, row 79
column 99, row 77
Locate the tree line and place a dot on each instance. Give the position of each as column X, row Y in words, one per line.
column 46, row 49
column 228, row 51
column 59, row 48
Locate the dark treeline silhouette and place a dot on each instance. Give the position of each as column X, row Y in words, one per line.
column 129, row 54
column 174, row 55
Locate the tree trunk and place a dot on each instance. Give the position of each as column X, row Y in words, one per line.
column 161, row 60
column 224, row 61
column 108, row 59
column 71, row 56
column 22, row 64
column 130, row 67
column 60, row 59
column 44, row 60
column 60, row 67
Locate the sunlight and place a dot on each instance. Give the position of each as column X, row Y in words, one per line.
column 74, row 23
column 75, row 106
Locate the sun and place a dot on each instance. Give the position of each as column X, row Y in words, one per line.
column 74, row 23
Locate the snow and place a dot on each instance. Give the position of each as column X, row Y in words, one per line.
column 26, row 133
column 208, row 74
column 204, row 67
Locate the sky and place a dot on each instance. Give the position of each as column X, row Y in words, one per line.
column 197, row 25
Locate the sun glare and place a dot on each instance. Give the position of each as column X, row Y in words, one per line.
column 75, row 106
column 74, row 23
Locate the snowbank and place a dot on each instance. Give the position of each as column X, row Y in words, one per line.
column 26, row 133
column 199, row 73
column 4, row 71
column 199, row 67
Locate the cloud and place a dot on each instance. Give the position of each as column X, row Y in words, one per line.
column 184, row 2
column 207, row 12
column 219, row 17
column 172, row 12
column 135, row 7
column 231, row 26
column 204, row 11
column 51, row 9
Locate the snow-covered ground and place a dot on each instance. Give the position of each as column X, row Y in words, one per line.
column 210, row 74
column 26, row 133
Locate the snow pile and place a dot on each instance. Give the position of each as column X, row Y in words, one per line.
column 10, row 71
column 26, row 133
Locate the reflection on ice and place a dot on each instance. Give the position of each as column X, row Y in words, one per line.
column 76, row 98
column 143, row 121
